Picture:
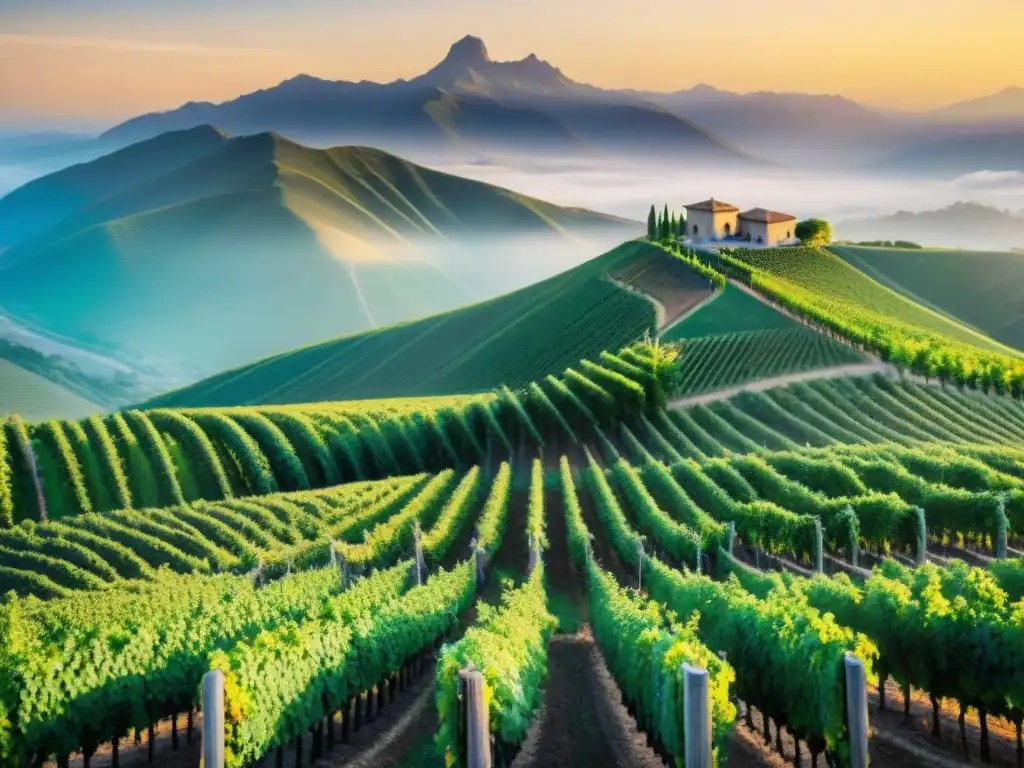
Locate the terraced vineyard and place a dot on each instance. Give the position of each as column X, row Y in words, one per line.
column 979, row 288
column 732, row 311
column 728, row 360
column 821, row 286
column 670, row 280
column 327, row 557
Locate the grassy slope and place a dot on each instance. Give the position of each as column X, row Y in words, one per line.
column 732, row 311
column 36, row 398
column 262, row 246
column 984, row 289
column 839, row 288
column 512, row 340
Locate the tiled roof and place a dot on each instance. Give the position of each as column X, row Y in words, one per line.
column 766, row 216
column 715, row 206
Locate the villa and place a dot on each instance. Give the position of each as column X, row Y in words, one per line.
column 712, row 220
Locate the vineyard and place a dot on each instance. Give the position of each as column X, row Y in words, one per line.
column 733, row 311
column 981, row 288
column 721, row 361
column 537, row 573
column 827, row 291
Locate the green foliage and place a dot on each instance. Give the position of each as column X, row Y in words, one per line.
column 535, row 506
column 310, row 446
column 814, row 232
column 141, row 651
column 727, row 360
column 394, row 536
column 645, row 649
column 110, row 463
column 141, row 475
column 491, row 527
column 6, row 485
column 255, row 470
column 168, row 487
column 288, row 469
column 508, row 644
column 818, row 285
column 64, row 484
column 788, row 657
column 199, row 453
column 454, row 517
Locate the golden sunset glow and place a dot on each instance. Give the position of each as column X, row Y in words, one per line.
column 117, row 59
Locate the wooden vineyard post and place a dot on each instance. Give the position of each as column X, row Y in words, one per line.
column 921, row 555
column 730, row 542
column 481, row 565
column 420, row 564
column 696, row 717
column 534, row 554
column 213, row 719
column 819, row 559
column 1002, row 523
column 856, row 710
column 475, row 738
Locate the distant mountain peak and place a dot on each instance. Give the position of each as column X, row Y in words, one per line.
column 468, row 51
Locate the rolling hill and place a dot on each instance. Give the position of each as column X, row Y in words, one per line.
column 983, row 289
column 524, row 336
column 513, row 339
column 264, row 245
column 40, row 204
column 824, row 283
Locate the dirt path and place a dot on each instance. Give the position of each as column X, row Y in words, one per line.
column 663, row 329
column 833, row 372
column 582, row 721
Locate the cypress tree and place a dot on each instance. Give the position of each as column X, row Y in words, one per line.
column 652, row 224
column 673, row 229
column 665, row 223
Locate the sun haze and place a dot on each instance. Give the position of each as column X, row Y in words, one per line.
column 110, row 59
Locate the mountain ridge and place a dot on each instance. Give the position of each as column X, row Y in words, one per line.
column 277, row 243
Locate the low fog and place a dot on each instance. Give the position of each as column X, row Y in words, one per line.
column 628, row 189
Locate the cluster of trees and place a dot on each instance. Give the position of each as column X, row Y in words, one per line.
column 666, row 226
column 814, row 232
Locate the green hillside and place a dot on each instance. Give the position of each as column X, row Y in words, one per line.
column 34, row 397
column 732, row 311
column 512, row 340
column 265, row 245
column 44, row 202
column 983, row 289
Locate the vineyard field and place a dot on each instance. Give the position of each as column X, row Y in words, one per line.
column 727, row 360
column 732, row 311
column 827, row 278
column 981, row 289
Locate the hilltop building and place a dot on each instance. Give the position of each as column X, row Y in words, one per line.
column 712, row 219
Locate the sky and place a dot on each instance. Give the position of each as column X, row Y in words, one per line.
column 100, row 61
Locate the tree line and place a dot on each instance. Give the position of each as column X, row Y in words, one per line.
column 664, row 226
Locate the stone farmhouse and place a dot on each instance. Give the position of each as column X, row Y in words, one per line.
column 712, row 220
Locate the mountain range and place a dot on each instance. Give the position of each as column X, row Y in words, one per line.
column 961, row 225
column 204, row 250
column 469, row 103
